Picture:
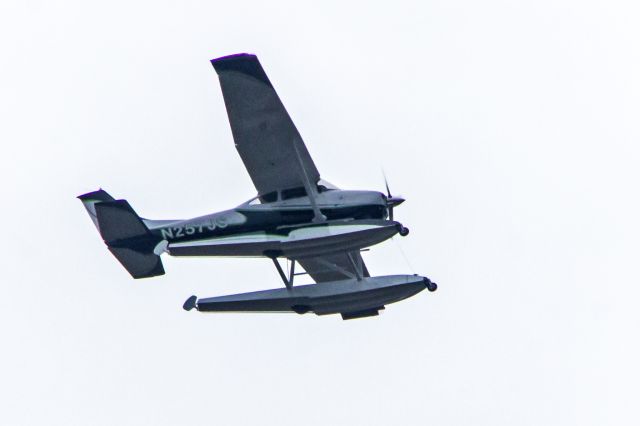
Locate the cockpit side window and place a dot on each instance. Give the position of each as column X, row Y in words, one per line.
column 269, row 197
column 294, row 193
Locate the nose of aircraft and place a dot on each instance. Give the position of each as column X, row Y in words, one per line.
column 394, row 201
column 391, row 202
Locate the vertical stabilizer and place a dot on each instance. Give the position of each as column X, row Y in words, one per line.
column 125, row 234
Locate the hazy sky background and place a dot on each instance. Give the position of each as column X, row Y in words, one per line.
column 510, row 127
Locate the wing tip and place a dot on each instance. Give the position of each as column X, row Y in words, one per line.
column 233, row 56
column 243, row 63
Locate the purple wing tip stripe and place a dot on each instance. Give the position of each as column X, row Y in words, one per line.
column 235, row 55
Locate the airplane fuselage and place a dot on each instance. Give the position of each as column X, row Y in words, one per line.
column 251, row 217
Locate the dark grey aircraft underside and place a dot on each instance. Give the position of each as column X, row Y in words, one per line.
column 295, row 216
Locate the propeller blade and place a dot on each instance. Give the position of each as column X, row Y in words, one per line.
column 386, row 184
column 391, row 200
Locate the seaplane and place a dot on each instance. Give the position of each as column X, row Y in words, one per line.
column 296, row 217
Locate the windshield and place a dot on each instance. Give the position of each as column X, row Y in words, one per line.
column 326, row 184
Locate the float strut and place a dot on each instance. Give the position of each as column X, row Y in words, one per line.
column 285, row 280
column 292, row 273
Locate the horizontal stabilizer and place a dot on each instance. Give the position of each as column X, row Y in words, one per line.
column 90, row 199
column 138, row 264
column 99, row 195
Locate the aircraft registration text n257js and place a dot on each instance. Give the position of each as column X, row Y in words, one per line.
column 296, row 215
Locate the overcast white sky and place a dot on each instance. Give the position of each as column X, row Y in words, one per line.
column 510, row 127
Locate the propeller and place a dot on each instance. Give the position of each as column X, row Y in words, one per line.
column 391, row 200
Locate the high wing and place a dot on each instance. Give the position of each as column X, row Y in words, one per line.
column 334, row 267
column 266, row 138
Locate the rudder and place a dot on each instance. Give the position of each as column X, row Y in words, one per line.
column 118, row 221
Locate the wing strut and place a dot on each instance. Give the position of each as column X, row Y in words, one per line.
column 311, row 189
column 357, row 268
